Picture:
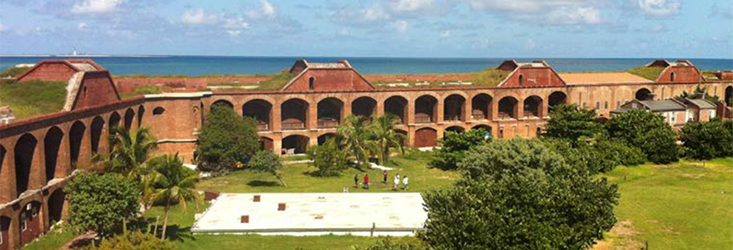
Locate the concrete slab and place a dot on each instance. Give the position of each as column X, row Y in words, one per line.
column 396, row 214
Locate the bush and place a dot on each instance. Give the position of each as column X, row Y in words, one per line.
column 570, row 122
column 268, row 162
column 604, row 155
column 133, row 241
column 329, row 158
column 707, row 140
column 226, row 140
column 389, row 244
column 646, row 131
column 519, row 194
column 101, row 202
column 454, row 147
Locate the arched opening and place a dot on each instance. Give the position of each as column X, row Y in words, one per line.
column 557, row 98
column 158, row 111
column 97, row 126
column 222, row 102
column 260, row 111
column 76, row 134
column 533, row 106
column 644, row 94
column 266, row 143
column 329, row 112
column 295, row 144
column 25, row 148
column 481, row 105
column 129, row 116
column 729, row 96
column 2, row 159
column 51, row 146
column 521, row 80
column 456, row 129
column 453, row 108
column 5, row 232
column 311, row 83
column 140, row 114
column 508, row 108
column 396, row 105
column 56, row 206
column 486, row 128
column 324, row 137
column 294, row 114
column 363, row 106
column 426, row 137
column 671, row 77
column 30, row 222
column 114, row 121
column 405, row 138
column 425, row 109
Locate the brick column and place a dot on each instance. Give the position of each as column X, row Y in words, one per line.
column 276, row 118
column 37, row 178
column 347, row 110
column 312, row 117
column 14, row 230
column 439, row 116
column 467, row 110
column 494, row 108
column 7, row 176
column 544, row 108
column 277, row 144
column 63, row 159
column 103, row 147
column 519, row 109
column 380, row 108
column 85, row 151
column 410, row 114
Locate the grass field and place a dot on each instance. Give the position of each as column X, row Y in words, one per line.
column 33, row 97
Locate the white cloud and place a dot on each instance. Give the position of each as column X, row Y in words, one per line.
column 375, row 13
column 3, row 28
column 266, row 11
column 411, row 5
column 95, row 6
column 659, row 7
column 401, row 26
column 235, row 26
column 198, row 16
column 579, row 15
column 267, row 8
column 558, row 12
column 82, row 26
column 445, row 33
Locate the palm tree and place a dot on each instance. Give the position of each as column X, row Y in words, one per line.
column 354, row 137
column 384, row 137
column 172, row 183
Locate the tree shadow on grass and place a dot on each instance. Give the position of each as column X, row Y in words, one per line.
column 176, row 233
column 259, row 183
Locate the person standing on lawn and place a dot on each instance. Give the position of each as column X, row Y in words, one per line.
column 384, row 180
column 396, row 181
column 405, row 182
column 366, row 181
column 356, row 180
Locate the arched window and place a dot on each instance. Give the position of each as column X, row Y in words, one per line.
column 311, row 83
column 671, row 77
column 521, row 79
column 605, row 105
column 158, row 111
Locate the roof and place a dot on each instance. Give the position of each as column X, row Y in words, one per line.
column 78, row 65
column 652, row 105
column 665, row 63
column 701, row 103
column 338, row 65
column 606, row 77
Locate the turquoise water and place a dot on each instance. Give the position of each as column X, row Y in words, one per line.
column 202, row 65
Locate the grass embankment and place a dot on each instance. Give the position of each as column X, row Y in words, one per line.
column 651, row 73
column 145, row 90
column 685, row 205
column 277, row 81
column 52, row 240
column 710, row 75
column 486, row 78
column 13, row 72
column 33, row 97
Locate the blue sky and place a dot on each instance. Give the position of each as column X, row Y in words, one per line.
column 391, row 28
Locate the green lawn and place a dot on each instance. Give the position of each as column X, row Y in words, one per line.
column 299, row 178
column 679, row 206
column 52, row 240
column 33, row 97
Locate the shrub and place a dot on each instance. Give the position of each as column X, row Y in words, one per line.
column 604, row 155
column 707, row 140
column 133, row 241
column 329, row 158
column 101, row 202
column 454, row 147
column 646, row 131
column 225, row 140
column 266, row 161
column 389, row 244
column 570, row 122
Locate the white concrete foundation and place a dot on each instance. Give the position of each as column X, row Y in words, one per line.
column 396, row 214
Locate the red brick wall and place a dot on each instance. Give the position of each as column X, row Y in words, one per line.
column 50, row 71
column 682, row 74
column 330, row 80
column 96, row 89
column 533, row 77
column 426, row 137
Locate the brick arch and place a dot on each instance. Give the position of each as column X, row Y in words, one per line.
column 457, row 129
column 114, row 121
column 52, row 144
column 266, row 143
column 426, row 109
column 129, row 117
column 397, row 105
column 426, row 137
column 261, row 111
column 325, row 136
column 30, row 218
column 482, row 126
column 557, row 98
column 76, row 136
column 643, row 94
column 454, row 107
column 56, row 206
column 508, row 107
column 330, row 112
column 481, row 104
column 140, row 115
column 294, row 114
column 97, row 127
column 297, row 142
column 2, row 160
column 729, row 96
column 364, row 106
column 25, row 150
column 225, row 102
column 533, row 106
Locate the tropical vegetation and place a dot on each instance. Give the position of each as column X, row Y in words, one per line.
column 226, row 141
column 101, row 202
column 455, row 145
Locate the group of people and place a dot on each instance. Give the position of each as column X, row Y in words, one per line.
column 405, row 181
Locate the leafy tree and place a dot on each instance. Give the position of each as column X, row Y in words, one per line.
column 173, row 183
column 268, row 162
column 571, row 122
column 225, row 139
column 355, row 138
column 518, row 194
column 454, row 147
column 707, row 140
column 101, row 202
column 133, row 241
column 603, row 155
column 389, row 244
column 648, row 132
column 384, row 137
column 329, row 158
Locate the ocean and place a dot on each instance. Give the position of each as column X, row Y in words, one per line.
column 202, row 65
